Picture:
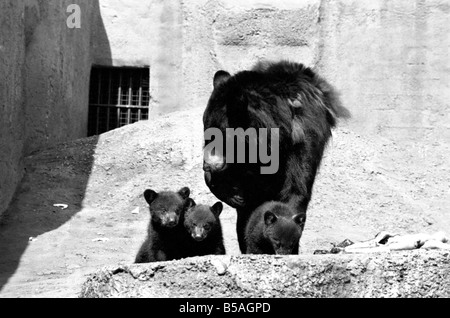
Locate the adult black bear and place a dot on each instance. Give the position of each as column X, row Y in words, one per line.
column 165, row 230
column 274, row 228
column 283, row 95
column 203, row 229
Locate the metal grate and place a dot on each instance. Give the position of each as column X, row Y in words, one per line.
column 118, row 97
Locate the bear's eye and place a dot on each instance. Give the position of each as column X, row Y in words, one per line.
column 207, row 227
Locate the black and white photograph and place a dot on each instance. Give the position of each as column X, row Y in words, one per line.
column 224, row 154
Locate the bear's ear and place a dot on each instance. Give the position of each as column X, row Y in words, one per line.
column 270, row 218
column 217, row 209
column 185, row 193
column 221, row 77
column 190, row 203
column 150, row 196
column 300, row 219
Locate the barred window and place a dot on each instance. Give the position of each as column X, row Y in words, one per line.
column 118, row 97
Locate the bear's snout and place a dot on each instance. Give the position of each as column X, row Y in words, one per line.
column 212, row 163
column 170, row 220
column 198, row 234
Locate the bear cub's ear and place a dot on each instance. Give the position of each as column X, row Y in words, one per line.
column 221, row 77
column 270, row 218
column 217, row 209
column 150, row 196
column 185, row 193
column 190, row 203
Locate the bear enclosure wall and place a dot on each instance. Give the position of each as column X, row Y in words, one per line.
column 44, row 78
column 389, row 60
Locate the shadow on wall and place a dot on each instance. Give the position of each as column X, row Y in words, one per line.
column 48, row 179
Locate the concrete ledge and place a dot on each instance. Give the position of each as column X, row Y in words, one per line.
column 399, row 274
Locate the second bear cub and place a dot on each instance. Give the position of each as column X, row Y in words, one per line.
column 203, row 229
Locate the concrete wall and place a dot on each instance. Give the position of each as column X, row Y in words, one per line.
column 44, row 78
column 185, row 42
column 388, row 58
column 58, row 63
column 391, row 61
column 146, row 33
column 233, row 35
column 12, row 61
column 129, row 33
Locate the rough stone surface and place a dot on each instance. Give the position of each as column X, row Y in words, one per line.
column 403, row 274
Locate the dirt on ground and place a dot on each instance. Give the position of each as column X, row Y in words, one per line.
column 366, row 184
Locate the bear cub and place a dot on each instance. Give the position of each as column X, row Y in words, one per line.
column 203, row 229
column 165, row 230
column 274, row 228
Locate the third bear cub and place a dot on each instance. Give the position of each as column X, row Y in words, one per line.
column 203, row 229
column 274, row 228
